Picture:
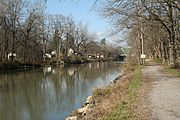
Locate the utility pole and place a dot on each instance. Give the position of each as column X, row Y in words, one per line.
column 142, row 44
column 141, row 37
column 143, row 56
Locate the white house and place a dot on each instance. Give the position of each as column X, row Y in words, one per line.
column 53, row 52
column 102, row 56
column 11, row 55
column 47, row 55
column 70, row 52
column 97, row 56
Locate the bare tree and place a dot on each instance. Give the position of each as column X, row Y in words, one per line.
column 142, row 14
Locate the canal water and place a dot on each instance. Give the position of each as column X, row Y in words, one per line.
column 51, row 93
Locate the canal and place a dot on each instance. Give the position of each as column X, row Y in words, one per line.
column 51, row 93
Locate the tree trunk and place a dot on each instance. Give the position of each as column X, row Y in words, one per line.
column 172, row 49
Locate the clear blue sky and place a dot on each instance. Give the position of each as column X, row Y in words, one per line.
column 81, row 11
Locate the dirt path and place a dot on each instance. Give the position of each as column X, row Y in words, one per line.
column 164, row 96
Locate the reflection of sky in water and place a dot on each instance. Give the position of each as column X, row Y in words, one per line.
column 51, row 93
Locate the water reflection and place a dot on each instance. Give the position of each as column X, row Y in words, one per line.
column 50, row 93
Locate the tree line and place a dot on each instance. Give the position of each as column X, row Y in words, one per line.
column 152, row 27
column 28, row 32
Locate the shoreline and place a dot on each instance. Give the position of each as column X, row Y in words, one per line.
column 128, row 96
column 118, row 100
column 18, row 66
column 90, row 101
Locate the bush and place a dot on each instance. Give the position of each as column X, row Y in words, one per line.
column 76, row 59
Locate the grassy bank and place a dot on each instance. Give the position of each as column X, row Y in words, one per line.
column 124, row 110
column 117, row 100
column 172, row 71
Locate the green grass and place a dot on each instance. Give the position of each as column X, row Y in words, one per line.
column 136, row 80
column 124, row 110
column 119, row 112
column 172, row 71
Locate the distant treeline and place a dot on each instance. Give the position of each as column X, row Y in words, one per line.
column 28, row 33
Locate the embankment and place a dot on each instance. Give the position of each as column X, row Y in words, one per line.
column 117, row 101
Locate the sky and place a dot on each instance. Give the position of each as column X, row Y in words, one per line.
column 81, row 10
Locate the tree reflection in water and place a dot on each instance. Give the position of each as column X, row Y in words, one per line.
column 51, row 93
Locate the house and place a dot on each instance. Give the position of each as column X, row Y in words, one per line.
column 11, row 55
column 102, row 56
column 53, row 52
column 46, row 55
column 70, row 52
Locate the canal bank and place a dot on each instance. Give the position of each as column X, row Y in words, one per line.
column 17, row 65
column 145, row 93
column 116, row 101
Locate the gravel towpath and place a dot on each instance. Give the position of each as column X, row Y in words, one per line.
column 164, row 95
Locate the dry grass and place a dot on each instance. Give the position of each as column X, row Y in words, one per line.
column 124, row 110
column 120, row 100
column 107, row 98
column 172, row 71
